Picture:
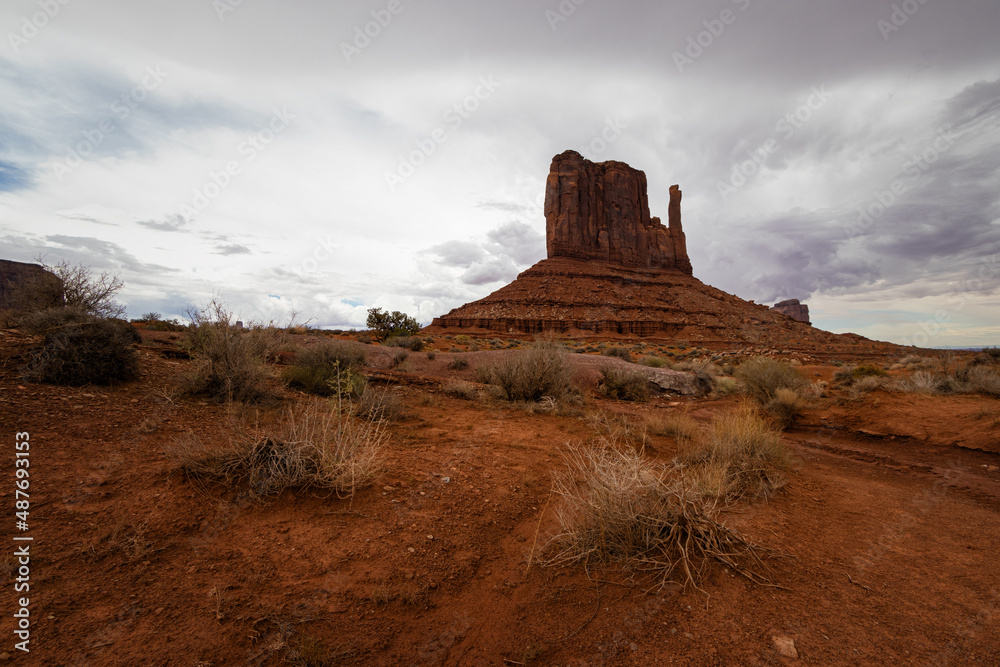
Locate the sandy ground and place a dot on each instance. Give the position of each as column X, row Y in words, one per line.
column 888, row 525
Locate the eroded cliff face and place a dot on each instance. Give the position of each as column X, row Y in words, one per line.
column 600, row 210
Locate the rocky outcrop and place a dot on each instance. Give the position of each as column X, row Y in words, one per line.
column 793, row 309
column 28, row 286
column 600, row 211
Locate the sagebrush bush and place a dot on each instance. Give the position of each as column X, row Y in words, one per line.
column 328, row 368
column 87, row 350
column 617, row 351
column 458, row 364
column 848, row 375
column 532, row 374
column 230, row 358
column 409, row 342
column 740, row 456
column 785, row 406
column 763, row 377
column 319, row 445
column 625, row 384
column 725, row 386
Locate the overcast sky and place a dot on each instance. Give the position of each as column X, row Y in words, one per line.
column 323, row 157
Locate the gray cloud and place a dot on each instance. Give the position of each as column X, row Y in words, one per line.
column 170, row 223
column 232, row 249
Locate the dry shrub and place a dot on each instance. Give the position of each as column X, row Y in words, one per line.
column 615, row 506
column 380, row 405
column 917, row 363
column 619, row 352
column 531, row 374
column 699, row 367
column 848, row 375
column 458, row 364
column 981, row 380
column 785, row 406
column 763, row 377
column 625, row 384
column 653, row 362
column 412, row 343
column 398, row 358
column 461, row 389
column 741, row 456
column 726, row 386
column 678, row 425
column 79, row 349
column 231, row 358
column 320, row 445
column 868, row 384
column 921, row 382
column 328, row 368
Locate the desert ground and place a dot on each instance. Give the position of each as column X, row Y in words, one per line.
column 879, row 548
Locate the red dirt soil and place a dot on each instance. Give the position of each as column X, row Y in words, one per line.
column 889, row 524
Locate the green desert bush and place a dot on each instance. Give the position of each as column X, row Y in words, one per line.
column 531, row 374
column 328, row 368
column 385, row 324
column 617, row 351
column 84, row 349
column 319, row 445
column 763, row 377
column 230, row 358
column 742, row 455
column 625, row 384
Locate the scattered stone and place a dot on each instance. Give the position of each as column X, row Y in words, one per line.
column 446, row 480
column 785, row 646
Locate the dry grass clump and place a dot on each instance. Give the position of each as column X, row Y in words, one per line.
column 763, row 377
column 625, row 384
column 741, row 456
column 653, row 362
column 678, row 425
column 328, row 368
column 458, row 364
column 412, row 343
column 726, row 386
column 866, row 385
column 462, row 389
column 79, row 348
column 615, row 506
column 532, row 374
column 785, row 406
column 981, row 380
column 916, row 363
column 320, row 445
column 380, row 405
column 922, row 382
column 619, row 352
column 230, row 358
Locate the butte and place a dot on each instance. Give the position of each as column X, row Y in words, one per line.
column 613, row 271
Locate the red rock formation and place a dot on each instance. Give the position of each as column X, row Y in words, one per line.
column 601, row 211
column 28, row 287
column 793, row 309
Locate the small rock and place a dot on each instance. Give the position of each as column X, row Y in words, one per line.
column 446, row 479
column 158, row 611
column 5, row 656
column 388, row 488
column 412, row 550
column 430, row 537
column 785, row 646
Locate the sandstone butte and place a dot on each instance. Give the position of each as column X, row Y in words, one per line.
column 614, row 271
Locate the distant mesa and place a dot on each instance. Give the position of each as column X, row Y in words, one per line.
column 612, row 269
column 795, row 310
column 600, row 211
